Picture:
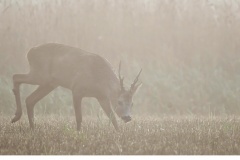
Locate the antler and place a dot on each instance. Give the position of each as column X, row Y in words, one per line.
column 135, row 81
column 120, row 77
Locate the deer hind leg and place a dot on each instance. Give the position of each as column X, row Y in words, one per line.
column 18, row 79
column 106, row 105
column 32, row 99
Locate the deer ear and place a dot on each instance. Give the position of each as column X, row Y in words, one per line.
column 136, row 88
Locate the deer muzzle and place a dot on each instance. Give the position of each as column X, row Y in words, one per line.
column 126, row 119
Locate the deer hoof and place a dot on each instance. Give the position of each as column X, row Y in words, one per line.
column 16, row 118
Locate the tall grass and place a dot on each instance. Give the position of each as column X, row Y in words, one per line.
column 189, row 50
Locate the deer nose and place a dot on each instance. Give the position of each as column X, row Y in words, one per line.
column 126, row 119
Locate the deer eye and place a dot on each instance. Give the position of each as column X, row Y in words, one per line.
column 120, row 103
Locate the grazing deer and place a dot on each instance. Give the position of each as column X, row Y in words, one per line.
column 85, row 74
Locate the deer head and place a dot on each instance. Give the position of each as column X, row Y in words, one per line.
column 125, row 97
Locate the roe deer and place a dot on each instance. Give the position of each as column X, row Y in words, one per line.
column 85, row 74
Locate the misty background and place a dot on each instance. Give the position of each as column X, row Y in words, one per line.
column 189, row 51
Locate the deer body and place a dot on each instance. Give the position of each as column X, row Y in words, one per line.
column 85, row 74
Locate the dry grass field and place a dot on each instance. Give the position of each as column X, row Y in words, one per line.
column 56, row 135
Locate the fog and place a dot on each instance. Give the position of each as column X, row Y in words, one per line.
column 189, row 51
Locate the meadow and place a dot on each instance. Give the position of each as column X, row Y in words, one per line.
column 56, row 135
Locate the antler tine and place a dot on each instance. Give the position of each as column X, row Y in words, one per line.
column 136, row 79
column 120, row 77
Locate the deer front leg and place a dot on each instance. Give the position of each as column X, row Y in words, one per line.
column 106, row 105
column 77, row 100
